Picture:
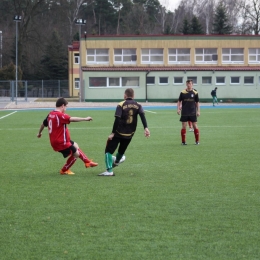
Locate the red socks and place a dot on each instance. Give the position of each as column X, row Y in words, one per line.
column 183, row 135
column 83, row 157
column 71, row 160
column 197, row 135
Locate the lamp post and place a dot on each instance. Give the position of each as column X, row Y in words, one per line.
column 80, row 22
column 17, row 19
column 1, row 47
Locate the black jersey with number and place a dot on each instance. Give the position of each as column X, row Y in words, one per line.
column 127, row 111
column 189, row 100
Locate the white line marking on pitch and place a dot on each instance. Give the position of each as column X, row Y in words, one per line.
column 150, row 111
column 7, row 115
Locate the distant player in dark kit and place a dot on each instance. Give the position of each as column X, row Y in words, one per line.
column 57, row 121
column 123, row 130
column 214, row 96
column 189, row 108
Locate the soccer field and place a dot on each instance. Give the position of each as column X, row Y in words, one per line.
column 166, row 201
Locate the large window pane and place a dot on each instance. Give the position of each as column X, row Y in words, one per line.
column 248, row 80
column 220, row 80
column 178, row 80
column 163, row 80
column 130, row 82
column 206, row 80
column 97, row 82
column 235, row 80
column 156, row 51
column 150, row 80
column 114, row 82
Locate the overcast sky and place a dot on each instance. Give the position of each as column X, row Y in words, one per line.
column 170, row 4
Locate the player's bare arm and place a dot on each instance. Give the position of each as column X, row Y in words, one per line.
column 198, row 108
column 80, row 119
column 40, row 131
column 178, row 107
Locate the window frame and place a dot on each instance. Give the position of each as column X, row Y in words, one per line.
column 177, row 54
column 163, row 83
column 76, row 58
column 177, row 83
column 230, row 55
column 95, row 55
column 206, row 83
column 150, row 55
column 231, row 83
column 203, row 55
column 107, row 79
column 249, row 84
column 76, row 82
column 217, row 83
column 256, row 55
column 153, row 80
column 123, row 54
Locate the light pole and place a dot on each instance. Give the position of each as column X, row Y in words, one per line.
column 80, row 22
column 1, row 47
column 17, row 19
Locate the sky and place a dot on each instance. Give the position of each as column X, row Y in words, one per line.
column 170, row 4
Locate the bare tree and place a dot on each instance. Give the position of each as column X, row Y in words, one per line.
column 251, row 16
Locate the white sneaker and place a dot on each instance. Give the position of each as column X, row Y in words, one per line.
column 121, row 161
column 106, row 173
column 191, row 130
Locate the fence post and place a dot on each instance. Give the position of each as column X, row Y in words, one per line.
column 12, row 90
column 59, row 87
column 26, row 88
column 42, row 88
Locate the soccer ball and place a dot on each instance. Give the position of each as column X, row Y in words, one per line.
column 220, row 101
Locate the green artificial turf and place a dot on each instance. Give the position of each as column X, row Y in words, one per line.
column 166, row 201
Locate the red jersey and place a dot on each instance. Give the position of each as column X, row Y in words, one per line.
column 58, row 131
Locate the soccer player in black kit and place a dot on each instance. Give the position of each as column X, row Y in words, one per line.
column 123, row 130
column 189, row 108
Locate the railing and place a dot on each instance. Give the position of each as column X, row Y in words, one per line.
column 34, row 88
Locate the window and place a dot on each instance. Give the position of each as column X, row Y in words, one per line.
column 220, row 80
column 178, row 80
column 76, row 58
column 233, row 55
column 249, row 80
column 114, row 82
column 125, row 55
column 206, row 80
column 234, row 80
column 163, row 80
column 253, row 55
column 152, row 56
column 97, row 56
column 179, row 56
column 150, row 80
column 130, row 82
column 76, row 83
column 97, row 81
column 194, row 80
column 206, row 55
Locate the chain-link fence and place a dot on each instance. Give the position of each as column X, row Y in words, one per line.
column 34, row 89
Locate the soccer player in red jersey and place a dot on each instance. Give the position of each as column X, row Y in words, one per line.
column 59, row 134
column 189, row 108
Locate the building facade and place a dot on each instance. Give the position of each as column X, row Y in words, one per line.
column 158, row 66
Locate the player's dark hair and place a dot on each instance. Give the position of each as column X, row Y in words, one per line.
column 189, row 80
column 129, row 92
column 61, row 101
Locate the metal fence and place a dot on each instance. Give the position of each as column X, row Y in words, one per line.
column 34, row 89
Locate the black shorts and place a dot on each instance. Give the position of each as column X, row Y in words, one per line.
column 112, row 145
column 68, row 151
column 188, row 118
